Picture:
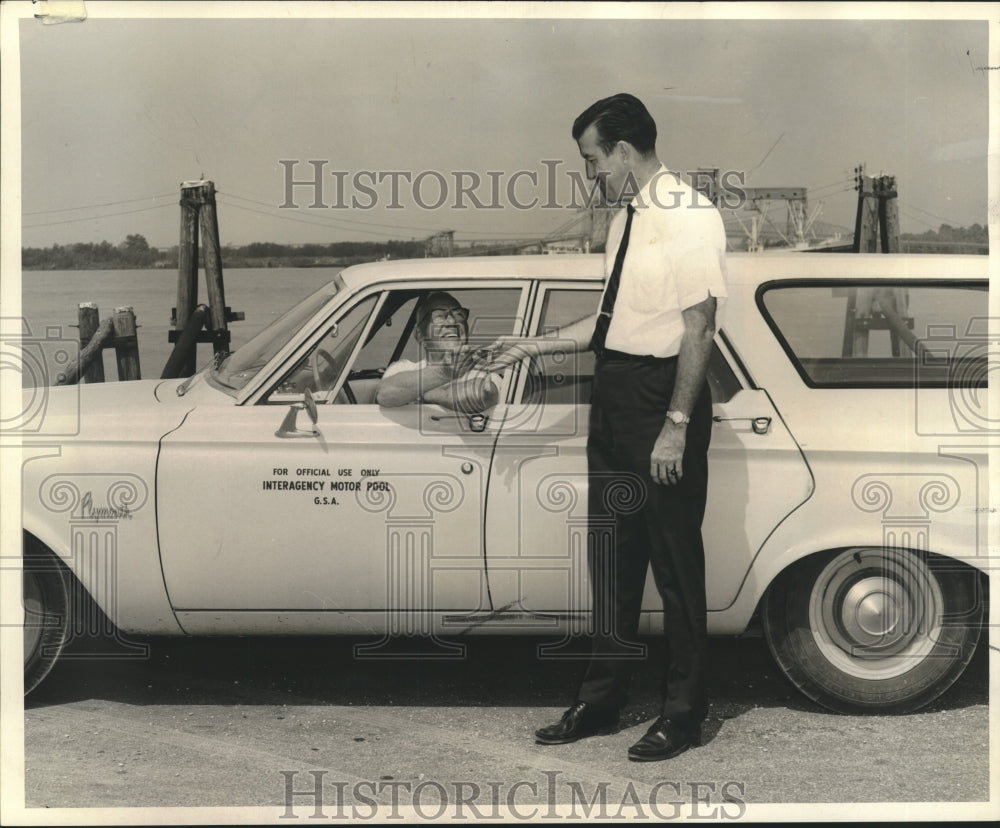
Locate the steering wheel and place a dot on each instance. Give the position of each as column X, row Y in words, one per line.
column 329, row 371
column 318, row 374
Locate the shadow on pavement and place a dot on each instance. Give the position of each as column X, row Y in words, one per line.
column 485, row 671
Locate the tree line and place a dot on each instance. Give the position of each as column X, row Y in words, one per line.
column 135, row 252
column 948, row 239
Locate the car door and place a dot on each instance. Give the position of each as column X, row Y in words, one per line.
column 537, row 520
column 372, row 520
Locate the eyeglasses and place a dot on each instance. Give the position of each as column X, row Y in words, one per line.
column 439, row 315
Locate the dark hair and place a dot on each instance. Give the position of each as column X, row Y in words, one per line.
column 621, row 117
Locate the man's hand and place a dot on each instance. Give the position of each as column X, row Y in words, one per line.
column 508, row 351
column 665, row 461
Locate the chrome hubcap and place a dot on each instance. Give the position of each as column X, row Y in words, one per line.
column 875, row 613
column 870, row 613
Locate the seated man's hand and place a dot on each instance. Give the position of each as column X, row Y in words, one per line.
column 508, row 351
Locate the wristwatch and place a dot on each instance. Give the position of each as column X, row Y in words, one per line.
column 678, row 418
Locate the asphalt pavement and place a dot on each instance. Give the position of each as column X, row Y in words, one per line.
column 262, row 724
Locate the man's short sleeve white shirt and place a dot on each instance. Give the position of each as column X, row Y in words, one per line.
column 676, row 258
column 402, row 365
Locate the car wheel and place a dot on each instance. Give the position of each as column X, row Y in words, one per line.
column 873, row 630
column 47, row 615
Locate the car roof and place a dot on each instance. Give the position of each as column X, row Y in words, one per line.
column 742, row 268
column 561, row 266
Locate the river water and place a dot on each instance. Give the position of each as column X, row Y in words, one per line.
column 49, row 302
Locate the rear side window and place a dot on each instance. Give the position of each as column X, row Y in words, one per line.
column 881, row 334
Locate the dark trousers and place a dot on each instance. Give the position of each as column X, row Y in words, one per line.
column 637, row 524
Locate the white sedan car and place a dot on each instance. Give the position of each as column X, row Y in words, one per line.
column 269, row 494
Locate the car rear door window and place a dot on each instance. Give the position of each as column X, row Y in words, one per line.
column 881, row 334
column 566, row 376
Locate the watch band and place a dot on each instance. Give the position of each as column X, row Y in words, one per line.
column 678, row 417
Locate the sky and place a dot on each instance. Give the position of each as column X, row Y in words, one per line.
column 117, row 112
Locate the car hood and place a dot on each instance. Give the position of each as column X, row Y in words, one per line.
column 110, row 410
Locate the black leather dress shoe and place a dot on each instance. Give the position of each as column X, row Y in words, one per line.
column 580, row 721
column 663, row 740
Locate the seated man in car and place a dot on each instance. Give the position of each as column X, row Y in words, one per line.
column 450, row 373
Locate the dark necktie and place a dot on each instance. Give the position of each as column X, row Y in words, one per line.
column 611, row 292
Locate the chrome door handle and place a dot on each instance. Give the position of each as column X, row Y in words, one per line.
column 760, row 425
column 477, row 422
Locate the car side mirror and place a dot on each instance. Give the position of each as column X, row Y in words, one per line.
column 310, row 404
column 289, row 426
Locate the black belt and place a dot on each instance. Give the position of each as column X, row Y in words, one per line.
column 609, row 355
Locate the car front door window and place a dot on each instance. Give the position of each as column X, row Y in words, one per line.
column 320, row 368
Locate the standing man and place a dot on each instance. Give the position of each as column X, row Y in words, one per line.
column 650, row 424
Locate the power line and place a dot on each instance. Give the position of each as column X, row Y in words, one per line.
column 504, row 242
column 811, row 194
column 336, row 220
column 500, row 235
column 928, row 213
column 762, row 160
column 564, row 227
column 910, row 214
column 324, row 225
column 845, row 187
column 332, row 218
column 839, row 183
column 105, row 204
column 96, row 218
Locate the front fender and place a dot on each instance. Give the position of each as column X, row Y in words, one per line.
column 88, row 494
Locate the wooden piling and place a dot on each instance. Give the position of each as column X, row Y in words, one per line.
column 89, row 319
column 876, row 227
column 186, row 344
column 866, row 221
column 888, row 213
column 91, row 354
column 126, row 344
column 218, row 321
column 187, row 266
column 198, row 210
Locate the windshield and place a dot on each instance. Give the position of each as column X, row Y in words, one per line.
column 237, row 369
